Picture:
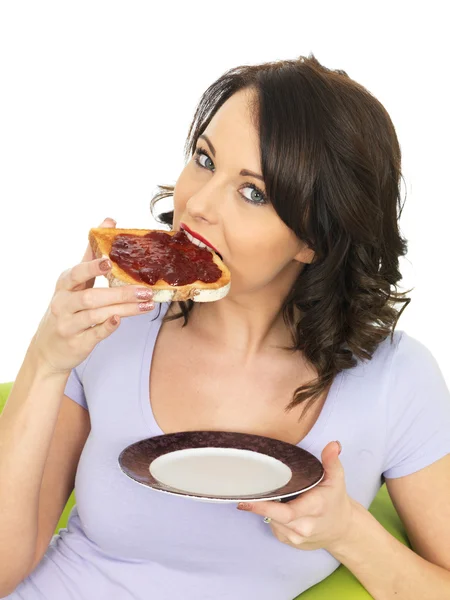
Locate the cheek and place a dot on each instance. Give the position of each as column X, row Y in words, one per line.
column 260, row 255
column 179, row 198
column 184, row 189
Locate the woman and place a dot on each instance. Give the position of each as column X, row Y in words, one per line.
column 293, row 175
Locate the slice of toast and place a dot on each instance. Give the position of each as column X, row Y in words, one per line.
column 101, row 240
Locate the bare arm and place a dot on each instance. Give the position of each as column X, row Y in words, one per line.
column 69, row 437
column 27, row 426
column 387, row 568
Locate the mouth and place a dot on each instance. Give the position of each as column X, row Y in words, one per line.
column 198, row 239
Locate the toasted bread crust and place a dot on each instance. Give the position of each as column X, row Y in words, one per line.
column 101, row 240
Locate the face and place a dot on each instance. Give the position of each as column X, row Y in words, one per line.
column 229, row 209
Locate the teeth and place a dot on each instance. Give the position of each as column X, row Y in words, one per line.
column 195, row 241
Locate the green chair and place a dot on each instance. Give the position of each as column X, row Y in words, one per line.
column 340, row 585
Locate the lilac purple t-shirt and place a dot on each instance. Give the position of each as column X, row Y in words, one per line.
column 126, row 541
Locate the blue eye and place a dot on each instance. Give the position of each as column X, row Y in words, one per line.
column 198, row 155
column 258, row 198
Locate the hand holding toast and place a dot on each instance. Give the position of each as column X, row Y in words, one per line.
column 79, row 316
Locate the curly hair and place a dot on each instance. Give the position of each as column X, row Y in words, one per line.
column 331, row 164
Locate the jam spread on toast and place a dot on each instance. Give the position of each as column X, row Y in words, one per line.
column 158, row 255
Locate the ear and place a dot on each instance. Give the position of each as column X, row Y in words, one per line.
column 306, row 255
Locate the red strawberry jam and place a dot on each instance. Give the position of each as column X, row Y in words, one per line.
column 158, row 255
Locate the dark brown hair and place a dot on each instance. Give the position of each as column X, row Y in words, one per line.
column 331, row 165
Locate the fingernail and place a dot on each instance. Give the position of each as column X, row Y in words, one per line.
column 143, row 306
column 144, row 294
column 340, row 446
column 105, row 265
column 244, row 506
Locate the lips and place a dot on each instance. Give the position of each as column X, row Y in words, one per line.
column 199, row 237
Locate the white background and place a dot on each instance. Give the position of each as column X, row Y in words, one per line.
column 97, row 96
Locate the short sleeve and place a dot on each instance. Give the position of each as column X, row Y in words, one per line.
column 74, row 388
column 418, row 424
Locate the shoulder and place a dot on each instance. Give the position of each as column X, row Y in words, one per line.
column 417, row 409
column 411, row 360
column 400, row 353
column 400, row 366
column 414, row 380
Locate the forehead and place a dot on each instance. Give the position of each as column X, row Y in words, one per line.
column 234, row 122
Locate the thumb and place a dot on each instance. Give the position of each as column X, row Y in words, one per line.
column 89, row 255
column 330, row 461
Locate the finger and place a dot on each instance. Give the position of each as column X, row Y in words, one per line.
column 308, row 504
column 285, row 534
column 282, row 513
column 295, row 536
column 331, row 463
column 96, row 334
column 86, row 319
column 89, row 255
column 82, row 273
column 96, row 298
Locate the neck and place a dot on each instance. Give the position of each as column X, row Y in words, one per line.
column 248, row 325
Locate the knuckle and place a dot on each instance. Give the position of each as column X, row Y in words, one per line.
column 95, row 334
column 71, row 277
column 310, row 506
column 295, row 539
column 99, row 333
column 61, row 329
column 64, row 275
column 292, row 515
column 89, row 319
column 54, row 307
column 87, row 299
column 72, row 343
column 304, row 529
column 94, row 318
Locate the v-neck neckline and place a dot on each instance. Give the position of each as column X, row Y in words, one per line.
column 146, row 403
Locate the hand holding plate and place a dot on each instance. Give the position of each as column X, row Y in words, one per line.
column 317, row 518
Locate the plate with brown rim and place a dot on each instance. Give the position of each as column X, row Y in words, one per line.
column 222, row 466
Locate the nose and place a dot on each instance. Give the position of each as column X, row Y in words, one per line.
column 205, row 204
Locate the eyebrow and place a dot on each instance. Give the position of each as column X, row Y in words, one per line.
column 244, row 172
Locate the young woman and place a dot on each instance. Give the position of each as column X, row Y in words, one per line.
column 293, row 175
